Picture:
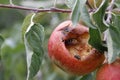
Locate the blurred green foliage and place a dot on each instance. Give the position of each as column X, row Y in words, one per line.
column 13, row 64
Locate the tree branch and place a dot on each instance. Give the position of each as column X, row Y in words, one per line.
column 53, row 9
column 36, row 10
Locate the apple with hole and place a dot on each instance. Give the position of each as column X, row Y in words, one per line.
column 68, row 48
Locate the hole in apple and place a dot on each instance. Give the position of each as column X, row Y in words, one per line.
column 71, row 41
column 77, row 44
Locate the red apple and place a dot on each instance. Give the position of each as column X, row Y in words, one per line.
column 109, row 71
column 69, row 49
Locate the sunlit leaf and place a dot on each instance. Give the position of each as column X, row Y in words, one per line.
column 98, row 16
column 77, row 9
column 113, row 40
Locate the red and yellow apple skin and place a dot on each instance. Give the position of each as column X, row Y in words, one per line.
column 69, row 49
column 109, row 71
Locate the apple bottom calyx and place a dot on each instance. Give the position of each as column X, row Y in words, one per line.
column 69, row 49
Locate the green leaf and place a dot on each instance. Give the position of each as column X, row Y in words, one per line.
column 76, row 12
column 113, row 39
column 87, row 77
column 96, row 41
column 35, row 38
column 98, row 16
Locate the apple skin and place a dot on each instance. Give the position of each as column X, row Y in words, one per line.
column 109, row 71
column 62, row 53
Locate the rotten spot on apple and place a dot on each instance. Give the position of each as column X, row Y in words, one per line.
column 75, row 42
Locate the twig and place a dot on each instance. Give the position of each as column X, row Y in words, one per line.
column 36, row 10
column 53, row 9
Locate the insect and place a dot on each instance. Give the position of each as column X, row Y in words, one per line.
column 77, row 57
